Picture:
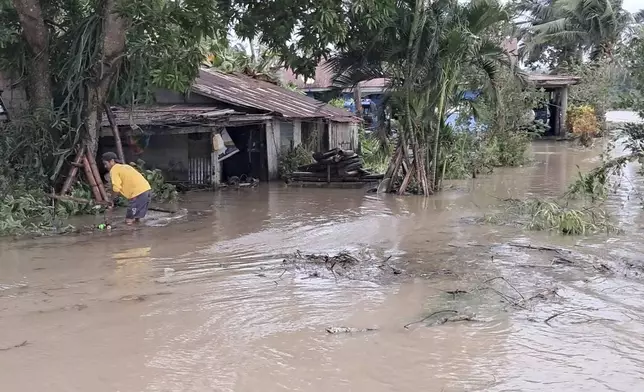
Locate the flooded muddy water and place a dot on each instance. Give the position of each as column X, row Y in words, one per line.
column 207, row 305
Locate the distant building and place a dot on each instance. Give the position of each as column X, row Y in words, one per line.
column 257, row 120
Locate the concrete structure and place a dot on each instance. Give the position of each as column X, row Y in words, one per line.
column 262, row 119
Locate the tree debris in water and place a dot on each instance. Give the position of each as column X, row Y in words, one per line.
column 23, row 344
column 363, row 266
column 455, row 317
column 340, row 330
column 549, row 319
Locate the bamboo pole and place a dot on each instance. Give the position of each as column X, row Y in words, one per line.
column 405, row 183
column 73, row 171
column 115, row 132
column 396, row 168
column 97, row 175
column 92, row 181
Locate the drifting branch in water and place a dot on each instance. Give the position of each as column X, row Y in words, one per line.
column 547, row 321
column 23, row 344
column 430, row 316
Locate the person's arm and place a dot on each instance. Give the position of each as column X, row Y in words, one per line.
column 117, row 184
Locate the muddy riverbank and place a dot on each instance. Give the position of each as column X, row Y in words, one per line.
column 208, row 304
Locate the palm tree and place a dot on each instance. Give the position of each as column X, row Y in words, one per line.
column 430, row 52
column 569, row 29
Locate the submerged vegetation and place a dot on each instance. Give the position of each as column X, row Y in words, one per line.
column 556, row 216
column 292, row 158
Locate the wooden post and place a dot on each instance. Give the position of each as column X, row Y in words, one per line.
column 564, row 110
column 319, row 125
column 73, row 171
column 92, row 181
column 97, row 175
column 214, row 161
column 272, row 148
column 297, row 133
column 115, row 132
column 556, row 116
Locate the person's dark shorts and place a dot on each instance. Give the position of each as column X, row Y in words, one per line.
column 138, row 206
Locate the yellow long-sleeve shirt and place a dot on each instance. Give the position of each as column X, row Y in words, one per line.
column 127, row 181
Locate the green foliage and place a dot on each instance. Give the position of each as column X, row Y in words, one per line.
column 28, row 152
column 430, row 52
column 32, row 212
column 161, row 190
column 509, row 149
column 263, row 65
column 302, row 31
column 337, row 102
column 563, row 31
column 375, row 152
column 290, row 159
column 634, row 63
column 596, row 86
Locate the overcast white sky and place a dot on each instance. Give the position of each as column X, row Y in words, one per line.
column 633, row 5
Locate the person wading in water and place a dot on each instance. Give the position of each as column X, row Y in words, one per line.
column 131, row 184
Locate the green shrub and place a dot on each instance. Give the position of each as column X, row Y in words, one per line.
column 161, row 190
column 375, row 153
column 290, row 159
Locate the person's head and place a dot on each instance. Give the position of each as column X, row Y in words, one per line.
column 109, row 160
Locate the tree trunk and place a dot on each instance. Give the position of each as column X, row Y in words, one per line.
column 357, row 97
column 36, row 35
column 114, row 31
column 441, row 112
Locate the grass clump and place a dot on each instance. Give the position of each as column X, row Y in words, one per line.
column 553, row 216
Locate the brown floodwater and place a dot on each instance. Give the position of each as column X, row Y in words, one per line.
column 206, row 305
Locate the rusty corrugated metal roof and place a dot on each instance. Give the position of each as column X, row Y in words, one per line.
column 244, row 91
column 166, row 114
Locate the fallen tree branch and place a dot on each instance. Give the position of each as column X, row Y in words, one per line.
column 547, row 321
column 339, row 330
column 455, row 319
column 506, row 281
column 23, row 344
column 534, row 247
column 430, row 316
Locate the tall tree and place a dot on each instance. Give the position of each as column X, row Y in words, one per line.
column 564, row 31
column 429, row 52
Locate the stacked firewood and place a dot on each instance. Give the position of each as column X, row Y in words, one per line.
column 335, row 165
